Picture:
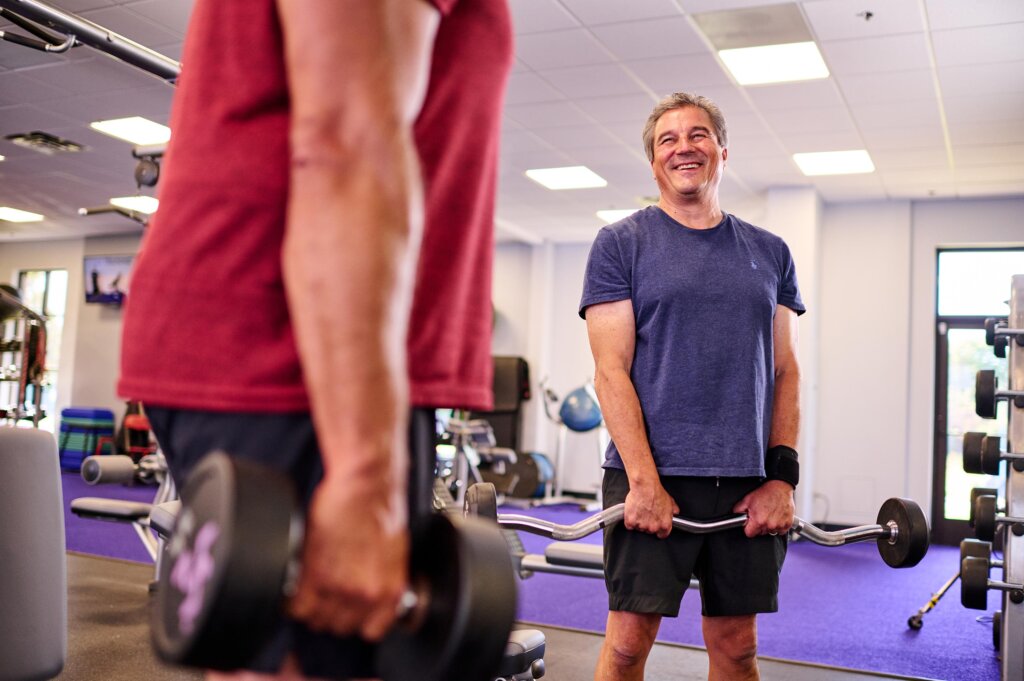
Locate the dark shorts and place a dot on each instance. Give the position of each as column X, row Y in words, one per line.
column 287, row 443
column 644, row 574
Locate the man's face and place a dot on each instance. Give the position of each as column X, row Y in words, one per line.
column 688, row 162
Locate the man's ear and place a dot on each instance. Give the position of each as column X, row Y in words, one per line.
column 725, row 155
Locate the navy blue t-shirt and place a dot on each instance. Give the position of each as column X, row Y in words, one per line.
column 704, row 302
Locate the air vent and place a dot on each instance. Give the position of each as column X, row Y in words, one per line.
column 44, row 142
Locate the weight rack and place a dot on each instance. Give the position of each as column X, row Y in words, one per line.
column 1012, row 634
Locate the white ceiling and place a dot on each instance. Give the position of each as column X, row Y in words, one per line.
column 933, row 89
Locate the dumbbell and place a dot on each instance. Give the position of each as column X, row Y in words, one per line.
column 986, row 519
column 975, row 584
column 982, row 454
column 998, row 335
column 901, row 531
column 233, row 558
column 987, row 392
column 118, row 468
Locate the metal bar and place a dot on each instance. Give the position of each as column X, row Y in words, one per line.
column 97, row 37
column 615, row 514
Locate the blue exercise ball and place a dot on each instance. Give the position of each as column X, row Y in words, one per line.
column 580, row 411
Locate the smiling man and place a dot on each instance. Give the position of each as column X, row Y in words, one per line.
column 691, row 314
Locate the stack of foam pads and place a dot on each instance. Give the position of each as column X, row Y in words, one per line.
column 81, row 429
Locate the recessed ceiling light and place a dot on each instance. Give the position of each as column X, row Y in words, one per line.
column 611, row 216
column 3, row 158
column 139, row 204
column 134, row 129
column 775, row 63
column 15, row 215
column 835, row 162
column 571, row 177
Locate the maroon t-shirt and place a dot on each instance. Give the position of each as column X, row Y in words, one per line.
column 206, row 324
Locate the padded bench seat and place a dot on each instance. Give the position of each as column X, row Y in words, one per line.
column 116, row 510
column 161, row 519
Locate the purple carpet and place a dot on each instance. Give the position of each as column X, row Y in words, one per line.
column 838, row 606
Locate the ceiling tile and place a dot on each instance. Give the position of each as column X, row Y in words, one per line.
column 532, row 16
column 18, row 87
column 971, row 79
column 801, row 141
column 943, row 14
column 170, row 14
column 913, row 137
column 969, row 190
column 93, row 76
column 547, row 115
column 982, row 45
column 589, row 81
column 892, row 160
column 985, row 154
column 526, row 87
column 876, row 55
column 557, row 49
column 846, row 19
column 992, row 132
column 885, row 115
column 826, row 119
column 593, row 13
column 680, row 73
column 631, row 110
column 25, row 118
column 132, row 26
column 783, row 96
column 896, row 86
column 654, row 38
column 569, row 138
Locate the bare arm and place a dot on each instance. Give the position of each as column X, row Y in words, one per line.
column 770, row 506
column 357, row 74
column 612, row 331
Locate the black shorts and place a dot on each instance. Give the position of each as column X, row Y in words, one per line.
column 287, row 443
column 644, row 574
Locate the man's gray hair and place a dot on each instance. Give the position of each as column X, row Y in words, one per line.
column 679, row 100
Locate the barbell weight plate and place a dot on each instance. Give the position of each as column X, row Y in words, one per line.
column 972, row 451
column 975, row 493
column 912, row 533
column 482, row 501
column 997, row 628
column 990, row 455
column 975, row 548
column 985, row 394
column 220, row 594
column 990, row 330
column 471, row 605
column 974, row 583
column 985, row 517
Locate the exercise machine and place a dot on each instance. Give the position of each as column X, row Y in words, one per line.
column 579, row 412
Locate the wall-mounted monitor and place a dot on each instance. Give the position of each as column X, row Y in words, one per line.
column 106, row 278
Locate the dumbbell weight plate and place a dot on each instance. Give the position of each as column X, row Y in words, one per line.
column 999, row 346
column 974, row 583
column 990, row 455
column 985, row 394
column 972, row 451
column 975, row 493
column 975, row 548
column 470, row 607
column 990, row 330
column 912, row 540
column 482, row 501
column 997, row 628
column 985, row 517
column 220, row 595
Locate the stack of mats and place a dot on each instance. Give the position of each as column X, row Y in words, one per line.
column 81, row 429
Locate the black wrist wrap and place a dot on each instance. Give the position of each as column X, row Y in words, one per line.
column 780, row 463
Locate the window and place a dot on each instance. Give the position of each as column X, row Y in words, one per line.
column 972, row 284
column 45, row 292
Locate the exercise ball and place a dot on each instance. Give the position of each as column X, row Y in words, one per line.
column 580, row 411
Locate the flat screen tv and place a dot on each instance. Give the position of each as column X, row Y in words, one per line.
column 106, row 278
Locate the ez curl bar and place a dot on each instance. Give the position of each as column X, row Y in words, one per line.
column 901, row 530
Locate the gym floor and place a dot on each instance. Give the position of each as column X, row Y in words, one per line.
column 108, row 637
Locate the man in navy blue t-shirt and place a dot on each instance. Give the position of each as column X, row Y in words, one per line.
column 691, row 315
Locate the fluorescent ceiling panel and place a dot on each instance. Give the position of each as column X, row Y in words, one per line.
column 15, row 215
column 139, row 204
column 753, row 26
column 775, row 63
column 570, row 177
column 134, row 129
column 834, row 162
column 610, row 216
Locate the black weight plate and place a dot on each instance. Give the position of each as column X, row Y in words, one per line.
column 975, row 548
column 972, row 451
column 990, row 330
column 985, row 394
column 985, row 517
column 999, row 346
column 974, row 583
column 975, row 493
column 990, row 455
column 482, row 501
column 911, row 543
column 220, row 593
column 470, row 608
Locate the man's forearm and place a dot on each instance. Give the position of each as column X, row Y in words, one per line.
column 620, row 407
column 785, row 428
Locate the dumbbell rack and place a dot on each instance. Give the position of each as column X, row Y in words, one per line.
column 22, row 357
column 1012, row 634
